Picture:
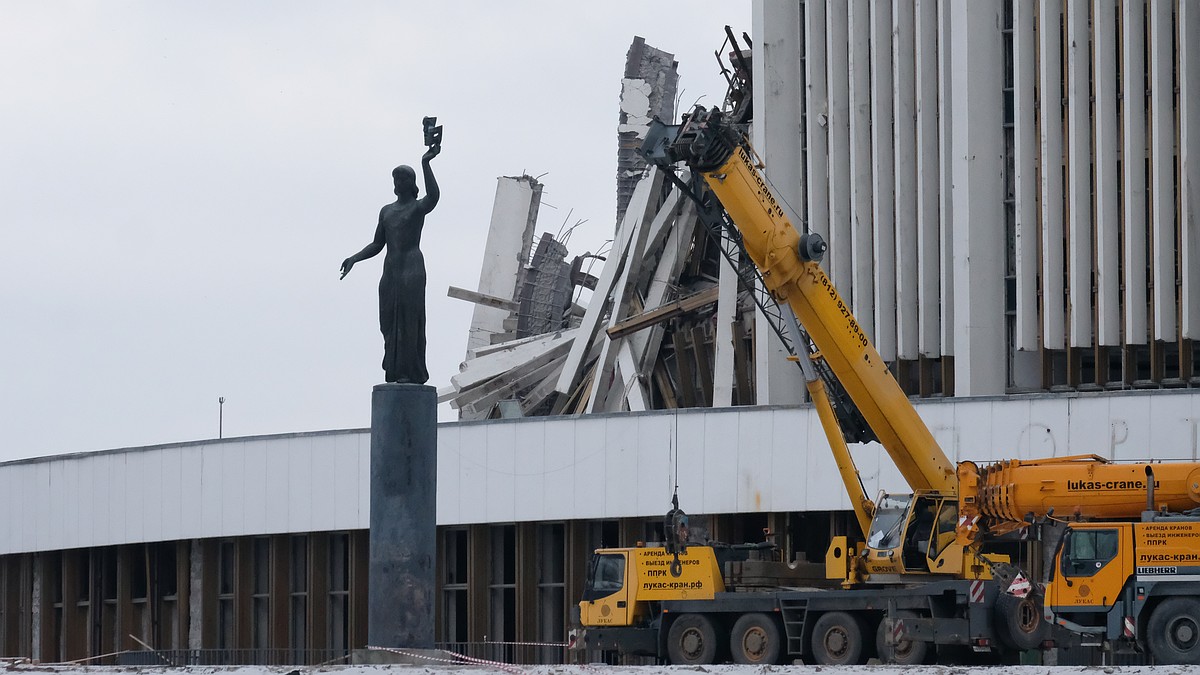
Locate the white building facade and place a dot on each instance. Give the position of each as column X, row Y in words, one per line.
column 1009, row 187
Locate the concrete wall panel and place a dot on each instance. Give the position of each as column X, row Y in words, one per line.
column 529, row 479
column 171, row 477
column 153, row 496
column 790, row 442
column 1011, row 433
column 560, row 463
column 8, row 505
column 500, row 500
column 655, row 470
column 620, row 466
column 324, row 468
column 1086, row 431
column 278, row 491
column 720, row 464
column 473, row 477
column 258, row 477
column 588, row 475
column 1130, row 434
column 211, row 492
column 66, row 475
column 300, row 484
column 689, row 461
column 449, row 470
column 1172, row 425
column 754, row 465
column 232, row 473
column 191, row 460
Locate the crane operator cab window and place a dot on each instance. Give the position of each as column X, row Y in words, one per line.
column 606, row 577
column 1086, row 552
column 930, row 519
column 916, row 537
column 888, row 524
column 947, row 521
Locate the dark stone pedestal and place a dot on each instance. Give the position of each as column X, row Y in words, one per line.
column 403, row 510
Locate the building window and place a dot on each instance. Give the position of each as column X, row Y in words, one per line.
column 502, row 584
column 106, row 630
column 298, row 597
column 339, row 592
column 166, row 591
column 454, row 585
column 226, row 568
column 260, row 598
column 138, row 570
column 552, row 605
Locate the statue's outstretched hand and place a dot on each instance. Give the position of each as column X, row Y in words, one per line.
column 346, row 265
column 432, row 152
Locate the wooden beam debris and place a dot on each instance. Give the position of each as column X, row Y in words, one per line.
column 685, row 305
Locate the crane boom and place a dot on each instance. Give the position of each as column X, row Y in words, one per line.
column 721, row 154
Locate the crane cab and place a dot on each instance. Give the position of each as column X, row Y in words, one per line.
column 913, row 534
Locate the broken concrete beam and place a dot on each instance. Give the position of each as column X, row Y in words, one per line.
column 647, row 91
column 477, row 371
column 613, row 266
column 481, row 299
column 509, row 241
column 510, row 387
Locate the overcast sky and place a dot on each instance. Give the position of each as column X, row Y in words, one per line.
column 179, row 183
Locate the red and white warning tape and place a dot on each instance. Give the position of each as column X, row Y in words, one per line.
column 460, row 659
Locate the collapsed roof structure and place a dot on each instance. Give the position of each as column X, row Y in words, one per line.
column 649, row 337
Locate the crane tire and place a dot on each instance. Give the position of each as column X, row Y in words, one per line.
column 904, row 652
column 756, row 639
column 692, row 641
column 838, row 639
column 1173, row 633
column 1019, row 621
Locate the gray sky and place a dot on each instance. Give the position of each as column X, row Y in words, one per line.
column 179, row 183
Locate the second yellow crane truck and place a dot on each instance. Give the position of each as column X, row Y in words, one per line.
column 929, row 569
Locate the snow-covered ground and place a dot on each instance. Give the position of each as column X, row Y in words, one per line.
column 17, row 668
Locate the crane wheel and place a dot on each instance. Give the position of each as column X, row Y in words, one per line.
column 1173, row 633
column 692, row 641
column 1019, row 621
column 902, row 652
column 756, row 639
column 838, row 640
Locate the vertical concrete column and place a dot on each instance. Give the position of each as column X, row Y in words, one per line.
column 978, row 166
column 776, row 134
column 35, row 610
column 195, row 624
column 403, row 516
column 727, row 314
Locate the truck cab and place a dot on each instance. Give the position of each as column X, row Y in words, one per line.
column 1093, row 564
column 1131, row 585
column 619, row 608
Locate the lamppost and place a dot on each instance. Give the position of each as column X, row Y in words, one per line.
column 221, row 417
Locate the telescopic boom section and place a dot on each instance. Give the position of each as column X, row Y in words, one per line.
column 724, row 158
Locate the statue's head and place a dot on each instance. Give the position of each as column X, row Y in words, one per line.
column 405, row 180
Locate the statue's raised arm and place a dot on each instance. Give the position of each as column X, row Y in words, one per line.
column 433, row 139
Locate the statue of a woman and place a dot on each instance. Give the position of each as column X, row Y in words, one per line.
column 402, row 286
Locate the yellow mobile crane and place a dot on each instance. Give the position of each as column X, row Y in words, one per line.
column 921, row 563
